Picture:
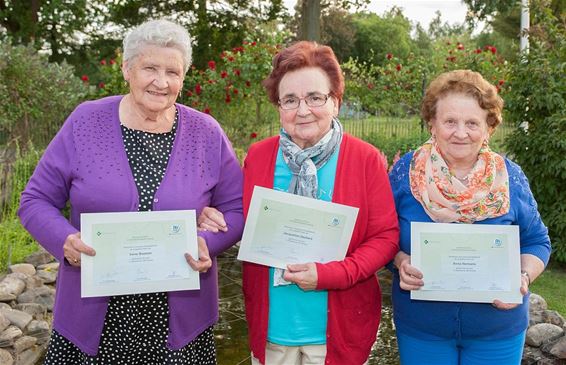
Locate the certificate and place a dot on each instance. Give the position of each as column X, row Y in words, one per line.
column 138, row 252
column 283, row 228
column 467, row 262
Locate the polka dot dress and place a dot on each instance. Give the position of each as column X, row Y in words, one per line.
column 136, row 326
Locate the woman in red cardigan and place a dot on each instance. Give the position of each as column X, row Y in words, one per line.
column 317, row 313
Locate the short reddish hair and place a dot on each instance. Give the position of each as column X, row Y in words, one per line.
column 465, row 82
column 300, row 55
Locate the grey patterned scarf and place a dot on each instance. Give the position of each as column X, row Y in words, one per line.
column 305, row 163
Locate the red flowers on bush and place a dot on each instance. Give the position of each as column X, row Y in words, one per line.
column 228, row 99
column 112, row 61
column 398, row 67
column 460, row 46
column 389, row 56
column 235, row 91
column 206, row 110
column 248, row 83
column 198, row 89
column 237, row 72
column 223, row 74
column 101, row 85
column 84, row 78
column 492, row 49
column 253, row 135
column 212, row 65
column 189, row 93
column 103, row 62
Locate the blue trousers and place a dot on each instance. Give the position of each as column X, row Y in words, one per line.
column 414, row 351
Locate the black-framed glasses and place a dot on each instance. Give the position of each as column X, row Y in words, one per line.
column 313, row 100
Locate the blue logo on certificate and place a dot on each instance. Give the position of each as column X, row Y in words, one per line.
column 334, row 222
column 497, row 243
column 175, row 228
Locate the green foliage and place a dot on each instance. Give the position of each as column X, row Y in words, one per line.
column 35, row 96
column 393, row 148
column 230, row 89
column 52, row 22
column 397, row 86
column 338, row 32
column 482, row 9
column 550, row 285
column 15, row 242
column 437, row 29
column 376, row 36
column 78, row 30
column 535, row 102
column 111, row 79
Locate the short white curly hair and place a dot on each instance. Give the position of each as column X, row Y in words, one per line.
column 160, row 32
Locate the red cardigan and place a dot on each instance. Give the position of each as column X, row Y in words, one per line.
column 354, row 296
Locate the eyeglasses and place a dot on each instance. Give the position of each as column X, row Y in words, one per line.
column 313, row 100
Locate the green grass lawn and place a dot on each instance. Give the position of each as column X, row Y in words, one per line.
column 551, row 285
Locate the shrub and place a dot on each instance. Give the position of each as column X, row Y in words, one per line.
column 397, row 86
column 535, row 102
column 393, row 148
column 15, row 241
column 230, row 89
column 35, row 96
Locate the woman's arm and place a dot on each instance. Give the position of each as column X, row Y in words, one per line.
column 380, row 242
column 227, row 199
column 535, row 242
column 47, row 192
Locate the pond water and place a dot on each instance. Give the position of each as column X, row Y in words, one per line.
column 231, row 332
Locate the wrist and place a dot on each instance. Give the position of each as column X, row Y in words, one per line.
column 399, row 259
column 526, row 275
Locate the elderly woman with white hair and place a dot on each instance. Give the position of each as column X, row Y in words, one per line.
column 136, row 152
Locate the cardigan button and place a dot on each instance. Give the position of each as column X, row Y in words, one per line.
column 155, row 200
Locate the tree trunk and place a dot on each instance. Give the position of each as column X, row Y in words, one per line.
column 310, row 20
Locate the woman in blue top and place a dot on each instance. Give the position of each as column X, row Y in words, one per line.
column 456, row 178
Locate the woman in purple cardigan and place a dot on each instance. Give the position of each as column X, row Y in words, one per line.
column 137, row 152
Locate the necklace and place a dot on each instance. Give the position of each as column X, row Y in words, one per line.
column 463, row 180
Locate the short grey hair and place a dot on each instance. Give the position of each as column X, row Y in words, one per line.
column 160, row 32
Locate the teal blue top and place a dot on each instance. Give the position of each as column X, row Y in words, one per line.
column 298, row 317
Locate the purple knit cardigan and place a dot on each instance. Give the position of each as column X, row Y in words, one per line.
column 86, row 164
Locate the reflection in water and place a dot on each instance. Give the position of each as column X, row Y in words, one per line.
column 231, row 332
